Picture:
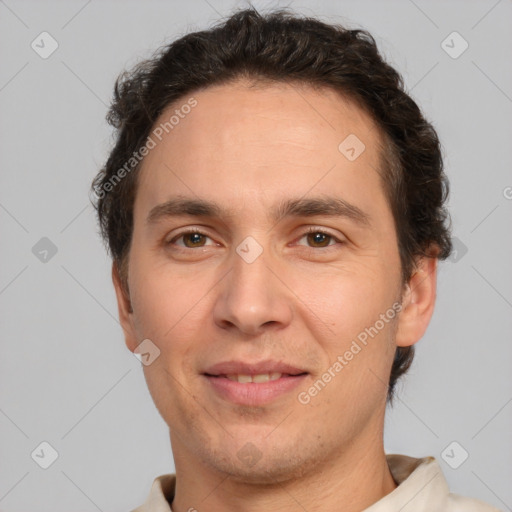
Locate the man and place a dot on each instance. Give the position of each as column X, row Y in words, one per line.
column 275, row 209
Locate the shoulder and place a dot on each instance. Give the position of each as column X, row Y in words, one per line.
column 422, row 487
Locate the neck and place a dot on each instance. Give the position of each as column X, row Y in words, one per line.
column 350, row 481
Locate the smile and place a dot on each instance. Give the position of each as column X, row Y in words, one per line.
column 253, row 390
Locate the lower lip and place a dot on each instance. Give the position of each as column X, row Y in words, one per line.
column 254, row 393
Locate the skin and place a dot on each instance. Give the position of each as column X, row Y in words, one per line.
column 301, row 301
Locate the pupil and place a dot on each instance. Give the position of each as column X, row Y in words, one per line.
column 319, row 238
column 195, row 238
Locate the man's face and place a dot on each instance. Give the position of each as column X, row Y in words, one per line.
column 212, row 298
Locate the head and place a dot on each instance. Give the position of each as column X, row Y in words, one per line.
column 265, row 127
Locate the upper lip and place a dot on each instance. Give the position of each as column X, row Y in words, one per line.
column 257, row 368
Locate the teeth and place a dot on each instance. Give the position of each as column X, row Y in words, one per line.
column 263, row 377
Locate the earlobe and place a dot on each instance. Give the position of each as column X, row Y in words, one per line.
column 418, row 302
column 125, row 310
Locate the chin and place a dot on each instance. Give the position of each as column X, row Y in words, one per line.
column 269, row 468
column 269, row 475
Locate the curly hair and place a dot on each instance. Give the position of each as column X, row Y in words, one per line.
column 283, row 47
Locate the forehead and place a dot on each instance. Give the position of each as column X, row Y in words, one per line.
column 241, row 140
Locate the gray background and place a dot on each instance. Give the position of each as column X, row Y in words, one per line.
column 65, row 374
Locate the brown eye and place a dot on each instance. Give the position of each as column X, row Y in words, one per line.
column 193, row 239
column 190, row 240
column 319, row 239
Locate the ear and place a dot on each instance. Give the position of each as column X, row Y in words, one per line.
column 417, row 302
column 125, row 309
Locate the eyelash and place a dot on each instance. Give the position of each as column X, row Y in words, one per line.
column 192, row 231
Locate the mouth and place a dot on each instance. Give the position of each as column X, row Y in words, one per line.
column 261, row 377
column 253, row 389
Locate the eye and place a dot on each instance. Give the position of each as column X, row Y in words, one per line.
column 191, row 239
column 318, row 238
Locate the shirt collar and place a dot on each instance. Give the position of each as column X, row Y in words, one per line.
column 421, row 487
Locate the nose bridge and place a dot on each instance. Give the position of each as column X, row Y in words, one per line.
column 251, row 295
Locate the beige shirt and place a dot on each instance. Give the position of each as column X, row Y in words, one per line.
column 422, row 487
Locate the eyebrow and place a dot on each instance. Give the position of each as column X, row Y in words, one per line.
column 303, row 207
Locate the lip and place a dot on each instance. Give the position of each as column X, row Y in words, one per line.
column 253, row 393
column 256, row 368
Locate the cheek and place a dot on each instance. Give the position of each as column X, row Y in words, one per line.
column 347, row 297
column 156, row 296
column 169, row 309
column 350, row 314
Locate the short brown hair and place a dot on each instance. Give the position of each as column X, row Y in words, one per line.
column 283, row 47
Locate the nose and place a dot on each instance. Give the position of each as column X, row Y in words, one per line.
column 252, row 298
